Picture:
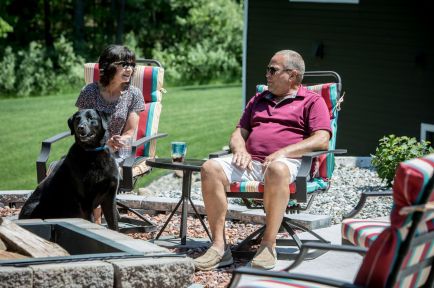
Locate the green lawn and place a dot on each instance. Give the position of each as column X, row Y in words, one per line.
column 202, row 116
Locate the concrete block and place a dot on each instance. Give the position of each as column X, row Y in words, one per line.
column 73, row 274
column 310, row 221
column 14, row 196
column 132, row 201
column 143, row 246
column 159, row 203
column 16, row 277
column 162, row 272
column 235, row 211
column 253, row 215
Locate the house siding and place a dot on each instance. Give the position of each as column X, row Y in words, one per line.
column 383, row 51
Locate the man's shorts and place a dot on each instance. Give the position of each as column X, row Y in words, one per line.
column 237, row 174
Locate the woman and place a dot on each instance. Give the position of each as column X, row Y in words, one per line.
column 114, row 95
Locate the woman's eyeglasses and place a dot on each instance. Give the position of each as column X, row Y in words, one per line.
column 125, row 64
column 273, row 70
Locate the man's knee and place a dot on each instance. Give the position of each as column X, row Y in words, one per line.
column 277, row 171
column 212, row 170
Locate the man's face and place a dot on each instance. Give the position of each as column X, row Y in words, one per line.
column 278, row 77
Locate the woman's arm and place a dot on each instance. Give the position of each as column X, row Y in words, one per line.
column 131, row 125
column 130, row 130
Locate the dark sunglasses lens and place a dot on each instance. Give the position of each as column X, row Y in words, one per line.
column 271, row 70
column 127, row 64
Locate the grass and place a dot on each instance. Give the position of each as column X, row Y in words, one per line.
column 202, row 116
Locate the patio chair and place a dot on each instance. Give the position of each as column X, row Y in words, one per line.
column 148, row 77
column 401, row 256
column 314, row 175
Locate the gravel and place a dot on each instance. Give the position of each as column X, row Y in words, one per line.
column 347, row 184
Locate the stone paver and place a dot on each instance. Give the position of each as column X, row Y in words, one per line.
column 79, row 274
column 162, row 272
column 16, row 277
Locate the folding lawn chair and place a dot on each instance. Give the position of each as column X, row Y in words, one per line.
column 313, row 177
column 148, row 77
column 401, row 256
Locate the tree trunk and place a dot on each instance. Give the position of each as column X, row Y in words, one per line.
column 78, row 26
column 120, row 22
column 47, row 25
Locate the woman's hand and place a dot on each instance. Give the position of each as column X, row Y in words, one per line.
column 117, row 141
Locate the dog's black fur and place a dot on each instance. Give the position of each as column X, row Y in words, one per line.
column 87, row 177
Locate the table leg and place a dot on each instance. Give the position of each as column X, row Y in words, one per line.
column 168, row 219
column 200, row 218
column 186, row 190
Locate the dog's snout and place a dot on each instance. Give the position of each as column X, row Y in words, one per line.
column 81, row 127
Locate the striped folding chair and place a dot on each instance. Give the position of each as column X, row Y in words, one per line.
column 314, row 174
column 148, row 77
column 401, row 256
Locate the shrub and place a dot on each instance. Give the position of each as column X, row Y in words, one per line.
column 392, row 150
column 210, row 44
column 31, row 72
column 7, row 72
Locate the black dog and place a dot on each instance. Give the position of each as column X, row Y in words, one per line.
column 87, row 177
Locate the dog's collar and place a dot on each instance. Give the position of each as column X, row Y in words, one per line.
column 101, row 148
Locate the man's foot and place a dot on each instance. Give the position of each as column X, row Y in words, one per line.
column 212, row 260
column 265, row 258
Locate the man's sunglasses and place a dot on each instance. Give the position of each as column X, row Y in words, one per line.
column 272, row 70
column 125, row 64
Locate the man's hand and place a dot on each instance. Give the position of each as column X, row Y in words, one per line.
column 242, row 160
column 270, row 158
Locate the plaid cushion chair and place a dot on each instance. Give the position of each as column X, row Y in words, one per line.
column 401, row 256
column 149, row 79
column 314, row 174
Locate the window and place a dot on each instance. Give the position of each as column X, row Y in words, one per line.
column 427, row 132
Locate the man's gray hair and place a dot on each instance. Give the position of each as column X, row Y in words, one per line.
column 294, row 61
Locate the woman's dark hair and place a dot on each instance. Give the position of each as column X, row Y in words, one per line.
column 108, row 59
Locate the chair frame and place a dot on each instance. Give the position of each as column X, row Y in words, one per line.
column 301, row 195
column 128, row 181
column 397, row 271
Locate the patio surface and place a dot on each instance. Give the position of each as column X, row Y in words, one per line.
column 337, row 265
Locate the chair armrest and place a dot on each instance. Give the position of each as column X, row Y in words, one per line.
column 41, row 162
column 304, row 170
column 127, row 165
column 218, row 154
column 304, row 250
column 362, row 201
column 285, row 275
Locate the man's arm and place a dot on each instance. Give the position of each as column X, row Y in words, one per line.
column 318, row 140
column 240, row 157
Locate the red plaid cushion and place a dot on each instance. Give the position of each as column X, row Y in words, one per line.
column 408, row 189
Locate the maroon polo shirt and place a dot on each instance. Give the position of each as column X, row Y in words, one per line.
column 274, row 126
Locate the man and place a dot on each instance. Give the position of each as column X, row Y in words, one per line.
column 277, row 127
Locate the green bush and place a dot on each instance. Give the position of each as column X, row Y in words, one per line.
column 210, row 46
column 392, row 150
column 31, row 72
column 7, row 72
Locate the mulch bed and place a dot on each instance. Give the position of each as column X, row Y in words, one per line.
column 219, row 278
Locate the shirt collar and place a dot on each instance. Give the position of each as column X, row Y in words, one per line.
column 301, row 92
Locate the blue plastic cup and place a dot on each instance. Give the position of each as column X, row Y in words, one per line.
column 179, row 149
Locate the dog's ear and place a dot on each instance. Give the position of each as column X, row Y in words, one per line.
column 105, row 119
column 71, row 123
